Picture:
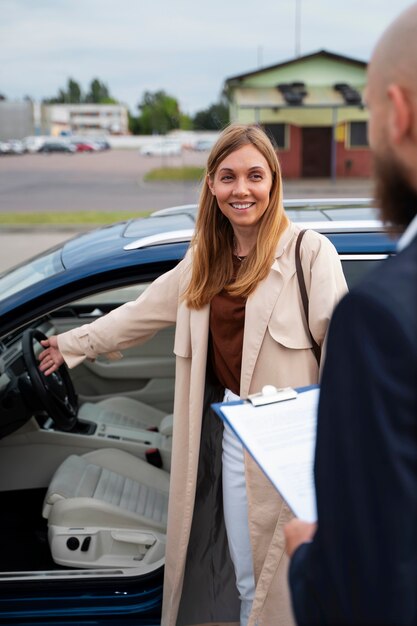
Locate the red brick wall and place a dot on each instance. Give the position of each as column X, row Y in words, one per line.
column 354, row 162
column 350, row 163
column 290, row 159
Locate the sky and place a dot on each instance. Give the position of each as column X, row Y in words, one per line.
column 186, row 47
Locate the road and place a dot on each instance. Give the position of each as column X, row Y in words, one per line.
column 100, row 181
column 109, row 181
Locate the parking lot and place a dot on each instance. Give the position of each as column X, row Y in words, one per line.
column 109, row 181
column 100, row 181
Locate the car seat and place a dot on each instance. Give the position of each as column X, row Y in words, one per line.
column 107, row 508
column 126, row 412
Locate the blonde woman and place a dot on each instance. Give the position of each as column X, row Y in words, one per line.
column 240, row 324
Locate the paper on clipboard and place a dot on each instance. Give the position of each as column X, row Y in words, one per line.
column 281, row 438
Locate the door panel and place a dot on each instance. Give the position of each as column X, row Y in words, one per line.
column 146, row 372
column 316, row 152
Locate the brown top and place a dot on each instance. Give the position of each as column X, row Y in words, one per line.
column 227, row 321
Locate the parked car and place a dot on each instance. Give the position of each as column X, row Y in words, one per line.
column 33, row 143
column 86, row 146
column 99, row 572
column 162, row 148
column 12, row 146
column 57, row 146
column 204, row 145
column 5, row 147
column 102, row 144
column 87, row 143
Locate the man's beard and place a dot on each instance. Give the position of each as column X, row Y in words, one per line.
column 395, row 197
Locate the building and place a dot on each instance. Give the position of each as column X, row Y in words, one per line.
column 313, row 108
column 16, row 119
column 84, row 119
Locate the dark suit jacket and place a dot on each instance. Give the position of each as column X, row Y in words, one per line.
column 361, row 567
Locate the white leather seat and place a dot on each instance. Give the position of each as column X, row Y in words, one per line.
column 107, row 508
column 121, row 411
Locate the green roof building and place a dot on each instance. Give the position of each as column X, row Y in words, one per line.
column 312, row 106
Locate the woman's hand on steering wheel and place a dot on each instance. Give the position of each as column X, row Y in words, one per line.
column 51, row 358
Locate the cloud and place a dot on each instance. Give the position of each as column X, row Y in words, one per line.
column 186, row 47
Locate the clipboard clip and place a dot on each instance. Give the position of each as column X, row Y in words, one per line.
column 271, row 394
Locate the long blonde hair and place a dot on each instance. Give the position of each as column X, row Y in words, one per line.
column 212, row 243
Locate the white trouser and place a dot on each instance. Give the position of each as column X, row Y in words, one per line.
column 235, row 507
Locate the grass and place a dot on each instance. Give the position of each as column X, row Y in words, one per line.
column 175, row 174
column 74, row 218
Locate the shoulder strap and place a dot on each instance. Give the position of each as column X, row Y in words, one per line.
column 303, row 291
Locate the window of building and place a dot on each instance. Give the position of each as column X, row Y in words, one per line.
column 358, row 135
column 278, row 133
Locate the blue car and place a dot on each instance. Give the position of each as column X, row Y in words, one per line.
column 70, row 553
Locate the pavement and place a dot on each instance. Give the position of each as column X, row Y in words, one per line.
column 19, row 245
column 326, row 188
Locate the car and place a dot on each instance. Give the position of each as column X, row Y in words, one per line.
column 85, row 146
column 5, row 147
column 33, row 143
column 52, row 572
column 162, row 148
column 204, row 145
column 87, row 143
column 102, row 144
column 57, row 146
column 12, row 146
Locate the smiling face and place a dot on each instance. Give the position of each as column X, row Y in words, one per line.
column 242, row 185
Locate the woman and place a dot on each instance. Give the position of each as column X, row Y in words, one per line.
column 239, row 325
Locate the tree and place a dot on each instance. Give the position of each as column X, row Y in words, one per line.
column 215, row 117
column 71, row 95
column 74, row 92
column 186, row 122
column 159, row 113
column 99, row 93
column 134, row 124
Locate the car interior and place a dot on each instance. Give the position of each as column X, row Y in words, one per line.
column 85, row 456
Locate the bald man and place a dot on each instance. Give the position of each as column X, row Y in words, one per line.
column 359, row 565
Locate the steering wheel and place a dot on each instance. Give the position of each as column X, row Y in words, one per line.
column 56, row 391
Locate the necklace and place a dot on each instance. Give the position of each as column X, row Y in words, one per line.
column 239, row 258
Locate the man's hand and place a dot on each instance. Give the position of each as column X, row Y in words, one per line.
column 51, row 358
column 297, row 532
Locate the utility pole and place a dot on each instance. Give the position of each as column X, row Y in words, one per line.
column 297, row 28
column 260, row 60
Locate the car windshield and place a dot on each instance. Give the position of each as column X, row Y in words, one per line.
column 30, row 273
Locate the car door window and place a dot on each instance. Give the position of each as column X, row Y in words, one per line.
column 114, row 296
column 355, row 267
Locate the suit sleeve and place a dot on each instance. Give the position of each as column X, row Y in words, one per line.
column 130, row 324
column 361, row 567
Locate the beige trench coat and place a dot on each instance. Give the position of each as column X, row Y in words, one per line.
column 276, row 350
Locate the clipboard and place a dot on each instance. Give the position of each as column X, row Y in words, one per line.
column 280, row 434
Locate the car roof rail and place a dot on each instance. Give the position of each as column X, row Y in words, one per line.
column 343, row 226
column 159, row 239
column 327, row 202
